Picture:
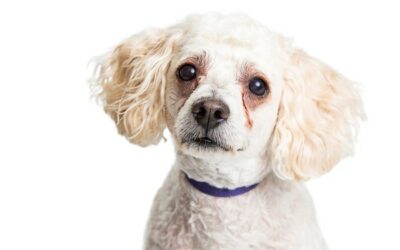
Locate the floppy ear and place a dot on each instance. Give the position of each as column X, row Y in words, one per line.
column 317, row 119
column 132, row 84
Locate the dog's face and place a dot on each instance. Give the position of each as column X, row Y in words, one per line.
column 228, row 88
column 223, row 92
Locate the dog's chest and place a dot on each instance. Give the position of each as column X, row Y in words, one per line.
column 230, row 224
column 184, row 219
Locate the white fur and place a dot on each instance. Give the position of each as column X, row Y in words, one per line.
column 275, row 215
column 300, row 130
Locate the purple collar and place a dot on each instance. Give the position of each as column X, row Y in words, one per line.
column 206, row 188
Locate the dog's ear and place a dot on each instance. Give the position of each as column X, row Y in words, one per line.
column 317, row 119
column 131, row 83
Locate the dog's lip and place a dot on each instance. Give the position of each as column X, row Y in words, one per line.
column 207, row 142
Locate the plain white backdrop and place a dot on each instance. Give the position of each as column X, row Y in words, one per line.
column 68, row 181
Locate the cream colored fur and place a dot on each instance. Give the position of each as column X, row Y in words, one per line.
column 305, row 126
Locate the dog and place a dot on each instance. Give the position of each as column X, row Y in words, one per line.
column 251, row 116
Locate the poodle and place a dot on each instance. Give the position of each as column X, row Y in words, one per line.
column 251, row 116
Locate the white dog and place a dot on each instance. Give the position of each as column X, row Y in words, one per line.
column 251, row 116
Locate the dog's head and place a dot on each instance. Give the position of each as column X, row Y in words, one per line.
column 228, row 88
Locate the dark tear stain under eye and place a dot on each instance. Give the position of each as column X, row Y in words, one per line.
column 249, row 122
column 182, row 104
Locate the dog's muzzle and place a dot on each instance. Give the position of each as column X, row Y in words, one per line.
column 203, row 133
column 210, row 113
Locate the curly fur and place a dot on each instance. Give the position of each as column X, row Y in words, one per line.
column 132, row 85
column 317, row 120
column 305, row 126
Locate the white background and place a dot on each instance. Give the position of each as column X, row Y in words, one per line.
column 68, row 181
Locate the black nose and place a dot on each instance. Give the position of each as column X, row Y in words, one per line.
column 210, row 113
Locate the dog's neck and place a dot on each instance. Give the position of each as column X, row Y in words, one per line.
column 208, row 189
column 224, row 172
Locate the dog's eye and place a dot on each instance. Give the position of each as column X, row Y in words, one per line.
column 257, row 86
column 186, row 72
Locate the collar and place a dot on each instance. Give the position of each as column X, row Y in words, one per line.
column 206, row 188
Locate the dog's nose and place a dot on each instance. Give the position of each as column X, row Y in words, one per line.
column 210, row 113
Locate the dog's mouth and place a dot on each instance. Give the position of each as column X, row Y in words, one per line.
column 207, row 143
